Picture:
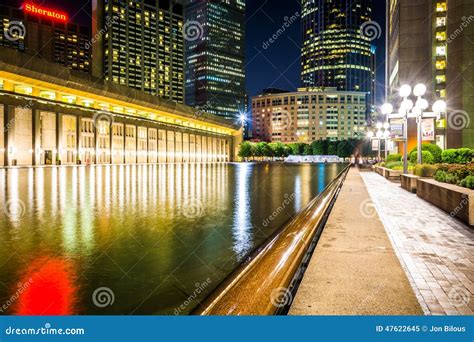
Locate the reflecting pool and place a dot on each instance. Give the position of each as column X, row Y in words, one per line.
column 142, row 239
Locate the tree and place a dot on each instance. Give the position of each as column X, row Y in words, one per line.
column 278, row 149
column 332, row 147
column 245, row 150
column 308, row 150
column 317, row 147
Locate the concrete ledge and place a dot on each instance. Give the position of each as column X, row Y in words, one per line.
column 409, row 182
column 390, row 174
column 455, row 200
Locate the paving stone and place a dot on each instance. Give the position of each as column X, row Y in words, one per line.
column 430, row 244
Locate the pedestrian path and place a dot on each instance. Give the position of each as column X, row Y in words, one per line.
column 436, row 251
column 354, row 269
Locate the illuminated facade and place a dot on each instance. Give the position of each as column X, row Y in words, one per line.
column 334, row 52
column 58, row 118
column 143, row 45
column 431, row 42
column 47, row 34
column 215, row 75
column 308, row 115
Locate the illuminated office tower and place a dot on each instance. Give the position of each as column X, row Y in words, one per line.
column 47, row 33
column 432, row 42
column 334, row 52
column 215, row 55
column 143, row 45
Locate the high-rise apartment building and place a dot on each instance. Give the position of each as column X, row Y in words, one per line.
column 432, row 42
column 334, row 51
column 140, row 44
column 215, row 56
column 308, row 115
column 46, row 33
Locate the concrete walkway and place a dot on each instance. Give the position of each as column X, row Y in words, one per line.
column 354, row 269
column 436, row 251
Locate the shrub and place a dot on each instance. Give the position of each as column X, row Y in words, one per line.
column 392, row 165
column 468, row 182
column 448, row 156
column 426, row 157
column 440, row 176
column 434, row 149
column 464, row 155
column 452, row 178
column 425, row 170
column 394, row 158
column 460, row 156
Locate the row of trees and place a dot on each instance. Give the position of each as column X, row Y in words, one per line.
column 340, row 148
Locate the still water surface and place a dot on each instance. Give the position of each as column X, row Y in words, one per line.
column 143, row 239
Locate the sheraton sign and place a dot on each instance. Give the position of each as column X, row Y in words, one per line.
column 45, row 12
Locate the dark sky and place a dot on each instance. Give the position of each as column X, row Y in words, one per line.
column 277, row 66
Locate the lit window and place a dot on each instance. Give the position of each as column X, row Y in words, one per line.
column 441, row 51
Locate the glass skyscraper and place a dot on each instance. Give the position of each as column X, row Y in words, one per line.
column 143, row 45
column 215, row 55
column 335, row 53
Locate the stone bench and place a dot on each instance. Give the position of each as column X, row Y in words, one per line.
column 409, row 182
column 455, row 200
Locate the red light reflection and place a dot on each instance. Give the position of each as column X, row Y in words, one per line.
column 49, row 288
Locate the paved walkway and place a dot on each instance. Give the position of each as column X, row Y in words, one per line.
column 436, row 251
column 354, row 269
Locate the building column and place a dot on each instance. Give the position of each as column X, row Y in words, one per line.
column 36, row 137
column 78, row 140
column 10, row 135
column 59, row 139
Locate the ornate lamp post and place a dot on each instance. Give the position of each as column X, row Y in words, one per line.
column 408, row 109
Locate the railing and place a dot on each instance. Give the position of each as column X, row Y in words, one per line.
column 262, row 285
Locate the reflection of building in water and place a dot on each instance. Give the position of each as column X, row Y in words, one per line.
column 59, row 118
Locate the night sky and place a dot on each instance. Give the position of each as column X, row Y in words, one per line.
column 278, row 66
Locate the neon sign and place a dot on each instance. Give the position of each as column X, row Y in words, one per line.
column 45, row 12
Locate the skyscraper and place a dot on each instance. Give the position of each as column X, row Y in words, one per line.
column 334, row 52
column 215, row 55
column 140, row 44
column 432, row 42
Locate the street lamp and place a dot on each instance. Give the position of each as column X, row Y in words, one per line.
column 408, row 109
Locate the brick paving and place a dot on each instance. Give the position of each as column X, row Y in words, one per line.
column 437, row 252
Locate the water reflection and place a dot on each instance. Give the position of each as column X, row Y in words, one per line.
column 128, row 228
column 242, row 228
